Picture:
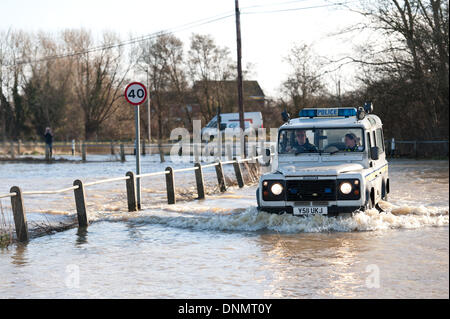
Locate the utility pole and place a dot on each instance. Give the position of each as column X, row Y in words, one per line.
column 239, row 70
column 339, row 93
column 148, row 108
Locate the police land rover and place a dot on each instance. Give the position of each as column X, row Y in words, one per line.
column 331, row 161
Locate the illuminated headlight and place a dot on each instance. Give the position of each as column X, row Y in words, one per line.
column 276, row 189
column 346, row 188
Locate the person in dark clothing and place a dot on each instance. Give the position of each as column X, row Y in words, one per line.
column 301, row 144
column 351, row 142
column 48, row 135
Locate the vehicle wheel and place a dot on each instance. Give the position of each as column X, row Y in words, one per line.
column 257, row 199
column 369, row 204
column 384, row 191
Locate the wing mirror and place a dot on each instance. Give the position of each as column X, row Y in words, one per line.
column 375, row 153
column 285, row 116
column 266, row 157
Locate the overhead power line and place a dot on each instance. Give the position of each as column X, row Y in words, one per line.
column 336, row 4
column 181, row 28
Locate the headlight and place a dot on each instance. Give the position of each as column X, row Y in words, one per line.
column 346, row 188
column 276, row 189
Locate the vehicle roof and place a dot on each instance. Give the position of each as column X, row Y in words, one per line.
column 369, row 121
column 237, row 114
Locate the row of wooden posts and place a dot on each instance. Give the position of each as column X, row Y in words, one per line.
column 20, row 220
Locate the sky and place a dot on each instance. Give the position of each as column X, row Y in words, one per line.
column 267, row 35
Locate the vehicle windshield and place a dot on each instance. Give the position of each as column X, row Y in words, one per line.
column 320, row 140
column 212, row 123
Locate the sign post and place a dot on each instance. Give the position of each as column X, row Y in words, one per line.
column 135, row 94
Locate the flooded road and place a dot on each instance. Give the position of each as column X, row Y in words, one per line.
column 222, row 247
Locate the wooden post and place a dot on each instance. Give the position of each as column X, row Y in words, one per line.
column 131, row 192
column 12, row 150
column 112, row 148
column 220, row 177
column 83, row 152
column 122, row 153
column 19, row 151
column 200, row 182
column 415, row 149
column 238, row 172
column 197, row 152
column 170, row 186
column 73, row 147
column 20, row 219
column 143, row 146
column 80, row 203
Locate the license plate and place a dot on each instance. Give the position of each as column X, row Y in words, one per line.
column 310, row 211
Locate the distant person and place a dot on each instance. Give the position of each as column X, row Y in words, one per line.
column 351, row 142
column 301, row 144
column 48, row 135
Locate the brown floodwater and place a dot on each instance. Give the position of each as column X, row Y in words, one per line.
column 223, row 247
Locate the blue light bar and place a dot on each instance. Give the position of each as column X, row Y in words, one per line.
column 329, row 112
column 347, row 112
column 308, row 113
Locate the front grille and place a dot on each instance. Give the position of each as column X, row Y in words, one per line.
column 319, row 190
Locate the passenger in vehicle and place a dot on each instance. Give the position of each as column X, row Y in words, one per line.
column 301, row 144
column 351, row 142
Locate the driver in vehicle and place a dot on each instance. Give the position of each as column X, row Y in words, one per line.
column 301, row 144
column 351, row 142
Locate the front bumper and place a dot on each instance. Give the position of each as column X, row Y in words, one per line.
column 332, row 210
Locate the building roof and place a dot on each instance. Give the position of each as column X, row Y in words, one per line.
column 252, row 89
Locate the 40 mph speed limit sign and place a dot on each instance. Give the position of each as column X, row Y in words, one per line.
column 135, row 93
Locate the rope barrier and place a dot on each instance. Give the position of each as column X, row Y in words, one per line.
column 8, row 195
column 107, row 181
column 185, row 169
column 152, row 174
column 50, row 192
column 126, row 178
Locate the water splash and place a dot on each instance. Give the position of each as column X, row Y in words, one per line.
column 251, row 220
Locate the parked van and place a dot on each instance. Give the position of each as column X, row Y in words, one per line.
column 231, row 120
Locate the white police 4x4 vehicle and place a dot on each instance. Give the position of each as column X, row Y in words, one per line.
column 330, row 162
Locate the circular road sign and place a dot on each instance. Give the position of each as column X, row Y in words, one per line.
column 135, row 93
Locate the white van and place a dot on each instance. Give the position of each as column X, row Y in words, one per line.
column 231, row 120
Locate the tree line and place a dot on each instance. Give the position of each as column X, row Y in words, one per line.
column 74, row 83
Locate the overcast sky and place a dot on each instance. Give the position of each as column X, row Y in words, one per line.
column 266, row 36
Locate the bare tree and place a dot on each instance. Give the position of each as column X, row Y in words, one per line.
column 209, row 64
column 48, row 87
column 99, row 77
column 15, row 47
column 304, row 80
column 162, row 58
column 409, row 67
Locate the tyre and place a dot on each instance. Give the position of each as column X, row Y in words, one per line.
column 257, row 199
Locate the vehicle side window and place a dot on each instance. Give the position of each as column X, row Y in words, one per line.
column 380, row 142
